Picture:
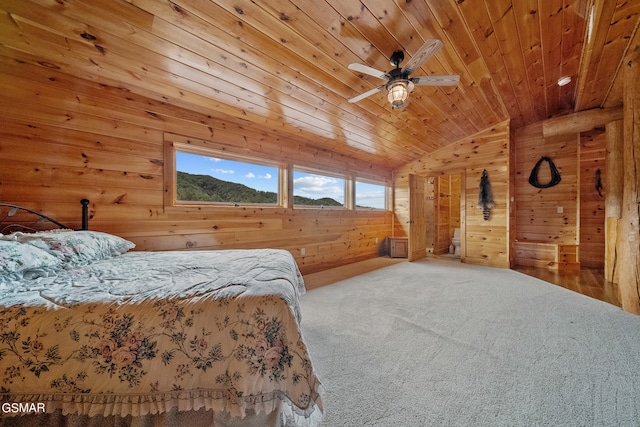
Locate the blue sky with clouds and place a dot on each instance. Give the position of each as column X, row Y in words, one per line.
column 265, row 178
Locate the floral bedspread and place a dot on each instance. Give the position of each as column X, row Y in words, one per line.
column 146, row 332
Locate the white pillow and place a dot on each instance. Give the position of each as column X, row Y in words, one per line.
column 75, row 247
column 17, row 258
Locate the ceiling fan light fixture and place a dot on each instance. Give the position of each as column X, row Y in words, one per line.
column 398, row 94
column 398, row 85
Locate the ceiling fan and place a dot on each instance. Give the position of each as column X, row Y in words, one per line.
column 399, row 84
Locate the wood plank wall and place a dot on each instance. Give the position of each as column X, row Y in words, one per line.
column 577, row 157
column 486, row 242
column 64, row 139
column 537, row 210
column 592, row 204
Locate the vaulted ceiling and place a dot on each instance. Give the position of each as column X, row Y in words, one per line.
column 283, row 64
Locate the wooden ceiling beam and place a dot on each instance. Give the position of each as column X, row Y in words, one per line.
column 580, row 122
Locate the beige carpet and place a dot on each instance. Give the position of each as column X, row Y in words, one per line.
column 439, row 343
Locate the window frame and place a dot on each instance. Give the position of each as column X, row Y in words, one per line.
column 387, row 194
column 347, row 180
column 171, row 172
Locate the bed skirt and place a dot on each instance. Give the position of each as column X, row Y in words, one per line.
column 282, row 416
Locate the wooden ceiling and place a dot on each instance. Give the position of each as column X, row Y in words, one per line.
column 282, row 64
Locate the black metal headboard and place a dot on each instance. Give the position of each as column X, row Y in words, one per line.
column 18, row 218
column 85, row 213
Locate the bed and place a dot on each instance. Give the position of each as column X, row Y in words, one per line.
column 93, row 333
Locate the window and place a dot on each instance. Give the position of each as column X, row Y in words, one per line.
column 311, row 188
column 199, row 172
column 370, row 195
column 202, row 178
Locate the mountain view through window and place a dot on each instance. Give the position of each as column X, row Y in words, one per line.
column 215, row 180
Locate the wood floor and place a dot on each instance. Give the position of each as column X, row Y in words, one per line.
column 587, row 281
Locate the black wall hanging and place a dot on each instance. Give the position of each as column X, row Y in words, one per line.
column 599, row 182
column 555, row 174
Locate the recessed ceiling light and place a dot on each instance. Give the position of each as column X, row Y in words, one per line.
column 563, row 81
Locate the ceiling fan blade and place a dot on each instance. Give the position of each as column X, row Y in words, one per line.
column 366, row 94
column 370, row 71
column 425, row 52
column 435, row 80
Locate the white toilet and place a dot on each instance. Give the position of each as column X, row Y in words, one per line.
column 456, row 241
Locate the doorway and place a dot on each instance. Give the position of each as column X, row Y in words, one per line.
column 443, row 205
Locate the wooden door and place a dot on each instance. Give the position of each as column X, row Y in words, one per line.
column 417, row 218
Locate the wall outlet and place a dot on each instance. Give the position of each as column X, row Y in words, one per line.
column 376, row 240
column 560, row 209
column 302, row 251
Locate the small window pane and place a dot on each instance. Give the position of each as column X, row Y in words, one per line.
column 312, row 189
column 210, row 179
column 370, row 196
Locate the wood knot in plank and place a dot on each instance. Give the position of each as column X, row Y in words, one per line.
column 154, row 115
column 119, row 199
column 49, row 65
